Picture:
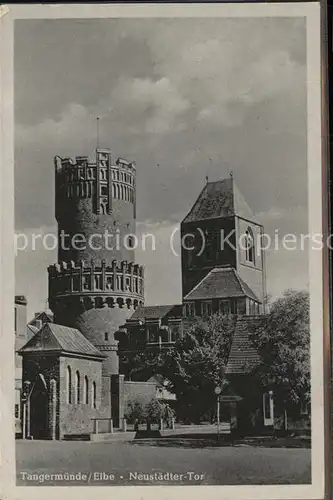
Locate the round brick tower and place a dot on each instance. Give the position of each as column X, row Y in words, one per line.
column 95, row 286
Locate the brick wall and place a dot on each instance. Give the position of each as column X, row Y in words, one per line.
column 78, row 217
column 94, row 323
column 75, row 418
column 195, row 265
column 49, row 367
column 139, row 391
column 252, row 274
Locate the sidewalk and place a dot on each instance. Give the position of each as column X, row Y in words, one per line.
column 205, row 436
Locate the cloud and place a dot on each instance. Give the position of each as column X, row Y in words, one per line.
column 221, row 75
column 148, row 105
column 74, row 125
column 136, row 105
column 171, row 93
column 31, row 266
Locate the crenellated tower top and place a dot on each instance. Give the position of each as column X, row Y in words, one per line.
column 96, row 284
column 95, row 199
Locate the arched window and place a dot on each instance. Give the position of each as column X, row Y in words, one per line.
column 118, row 191
column 77, row 388
column 93, row 398
column 249, row 245
column 113, row 191
column 69, row 385
column 122, row 192
column 85, row 391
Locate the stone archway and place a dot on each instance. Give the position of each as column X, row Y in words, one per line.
column 39, row 411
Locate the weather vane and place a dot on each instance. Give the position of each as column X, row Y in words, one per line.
column 97, row 132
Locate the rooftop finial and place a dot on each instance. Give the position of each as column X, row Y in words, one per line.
column 209, row 168
column 97, row 132
column 231, row 174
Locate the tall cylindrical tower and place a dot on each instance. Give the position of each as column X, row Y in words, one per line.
column 95, row 286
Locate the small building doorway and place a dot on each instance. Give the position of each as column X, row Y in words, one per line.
column 39, row 428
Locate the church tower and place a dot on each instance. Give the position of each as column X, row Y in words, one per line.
column 96, row 285
column 223, row 264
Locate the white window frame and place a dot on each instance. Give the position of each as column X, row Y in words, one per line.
column 224, row 301
column 189, row 309
column 249, row 247
column 149, row 329
column 208, row 303
column 268, row 420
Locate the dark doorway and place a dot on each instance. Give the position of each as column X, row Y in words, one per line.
column 39, row 411
column 225, row 415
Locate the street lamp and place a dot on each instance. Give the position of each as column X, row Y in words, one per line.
column 26, row 417
column 218, row 391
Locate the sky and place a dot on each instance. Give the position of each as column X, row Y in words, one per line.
column 183, row 98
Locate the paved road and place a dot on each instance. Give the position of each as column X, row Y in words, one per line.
column 126, row 460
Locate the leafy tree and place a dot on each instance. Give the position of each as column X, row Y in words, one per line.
column 194, row 366
column 283, row 342
column 197, row 364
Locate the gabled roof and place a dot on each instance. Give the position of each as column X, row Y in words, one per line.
column 221, row 283
column 219, row 199
column 144, row 313
column 62, row 339
column 44, row 316
column 243, row 357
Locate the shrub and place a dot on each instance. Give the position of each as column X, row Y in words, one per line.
column 135, row 411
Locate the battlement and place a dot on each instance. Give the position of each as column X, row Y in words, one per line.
column 120, row 277
column 95, row 265
column 101, row 180
column 85, row 162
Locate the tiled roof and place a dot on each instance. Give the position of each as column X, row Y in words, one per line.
column 243, row 356
column 221, row 282
column 156, row 312
column 219, row 199
column 44, row 316
column 52, row 337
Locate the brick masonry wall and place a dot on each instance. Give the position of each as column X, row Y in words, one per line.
column 76, row 418
column 49, row 367
column 194, row 269
column 78, row 217
column 253, row 275
column 139, row 391
column 94, row 323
